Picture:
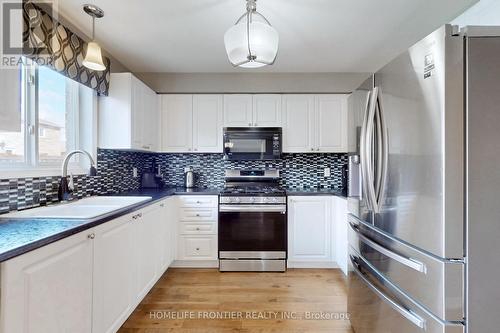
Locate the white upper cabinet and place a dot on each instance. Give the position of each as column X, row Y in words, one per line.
column 207, row 123
column 331, row 123
column 315, row 123
column 244, row 110
column 176, row 123
column 238, row 111
column 128, row 116
column 267, row 110
column 191, row 123
column 298, row 121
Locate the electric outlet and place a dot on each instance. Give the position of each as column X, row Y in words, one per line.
column 134, row 172
column 326, row 172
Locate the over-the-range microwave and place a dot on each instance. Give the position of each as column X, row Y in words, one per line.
column 252, row 143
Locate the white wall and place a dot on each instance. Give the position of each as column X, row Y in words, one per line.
column 253, row 83
column 485, row 12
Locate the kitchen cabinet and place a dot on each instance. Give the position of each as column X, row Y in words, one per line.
column 114, row 274
column 191, row 123
column 197, row 231
column 298, row 123
column 49, row 289
column 128, row 116
column 266, row 110
column 238, row 110
column 309, row 230
column 244, row 110
column 91, row 281
column 340, row 230
column 315, row 123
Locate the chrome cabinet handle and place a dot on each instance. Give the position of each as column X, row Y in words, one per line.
column 198, row 229
column 197, row 249
column 198, row 202
column 408, row 262
column 91, row 236
column 162, row 205
column 407, row 313
column 197, row 215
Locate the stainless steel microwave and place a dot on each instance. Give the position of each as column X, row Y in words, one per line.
column 252, row 143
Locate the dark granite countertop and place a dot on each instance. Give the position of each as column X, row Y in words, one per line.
column 18, row 236
column 314, row 191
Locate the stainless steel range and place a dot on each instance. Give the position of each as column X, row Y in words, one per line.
column 252, row 222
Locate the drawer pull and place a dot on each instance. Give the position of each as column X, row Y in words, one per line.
column 198, row 229
column 407, row 313
column 198, row 201
column 197, row 249
column 91, row 236
column 197, row 215
column 409, row 262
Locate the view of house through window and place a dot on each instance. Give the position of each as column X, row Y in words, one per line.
column 39, row 116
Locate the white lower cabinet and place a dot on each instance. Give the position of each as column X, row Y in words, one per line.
column 114, row 274
column 309, row 230
column 91, row 281
column 317, row 232
column 49, row 289
column 197, row 231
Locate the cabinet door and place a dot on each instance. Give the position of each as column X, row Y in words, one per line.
column 147, row 250
column 177, row 123
column 150, row 122
column 207, row 123
column 309, row 223
column 340, row 241
column 138, row 113
column 114, row 271
column 238, row 110
column 167, row 231
column 298, row 121
column 331, row 123
column 49, row 289
column 267, row 110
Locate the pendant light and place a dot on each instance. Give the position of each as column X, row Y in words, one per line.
column 93, row 57
column 252, row 42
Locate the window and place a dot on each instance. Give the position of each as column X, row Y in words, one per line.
column 46, row 115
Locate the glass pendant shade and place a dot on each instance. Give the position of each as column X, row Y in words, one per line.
column 252, row 42
column 93, row 57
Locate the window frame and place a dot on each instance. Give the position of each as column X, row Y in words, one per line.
column 32, row 166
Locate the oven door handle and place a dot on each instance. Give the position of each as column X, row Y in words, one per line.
column 252, row 208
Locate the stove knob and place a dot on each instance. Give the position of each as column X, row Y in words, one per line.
column 252, row 200
column 237, row 200
column 275, row 200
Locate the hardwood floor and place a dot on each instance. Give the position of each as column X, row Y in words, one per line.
column 185, row 300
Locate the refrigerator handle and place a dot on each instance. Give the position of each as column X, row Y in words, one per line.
column 384, row 149
column 368, row 152
column 363, row 154
column 407, row 313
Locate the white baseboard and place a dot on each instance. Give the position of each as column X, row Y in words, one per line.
column 312, row 264
column 195, row 264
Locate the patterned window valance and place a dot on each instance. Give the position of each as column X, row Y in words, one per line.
column 50, row 43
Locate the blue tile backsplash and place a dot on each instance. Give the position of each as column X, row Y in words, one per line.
column 115, row 174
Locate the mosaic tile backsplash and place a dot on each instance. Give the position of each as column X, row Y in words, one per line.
column 115, row 174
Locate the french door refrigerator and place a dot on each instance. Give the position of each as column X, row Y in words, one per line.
column 424, row 228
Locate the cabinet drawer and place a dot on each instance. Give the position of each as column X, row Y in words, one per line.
column 194, row 201
column 193, row 247
column 209, row 214
column 197, row 228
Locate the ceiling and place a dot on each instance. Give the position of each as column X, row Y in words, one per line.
column 315, row 35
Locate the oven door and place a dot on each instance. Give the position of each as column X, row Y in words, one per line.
column 252, row 143
column 252, row 232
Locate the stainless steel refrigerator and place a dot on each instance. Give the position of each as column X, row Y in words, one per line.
column 424, row 226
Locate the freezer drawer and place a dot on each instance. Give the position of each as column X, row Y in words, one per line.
column 436, row 283
column 376, row 306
